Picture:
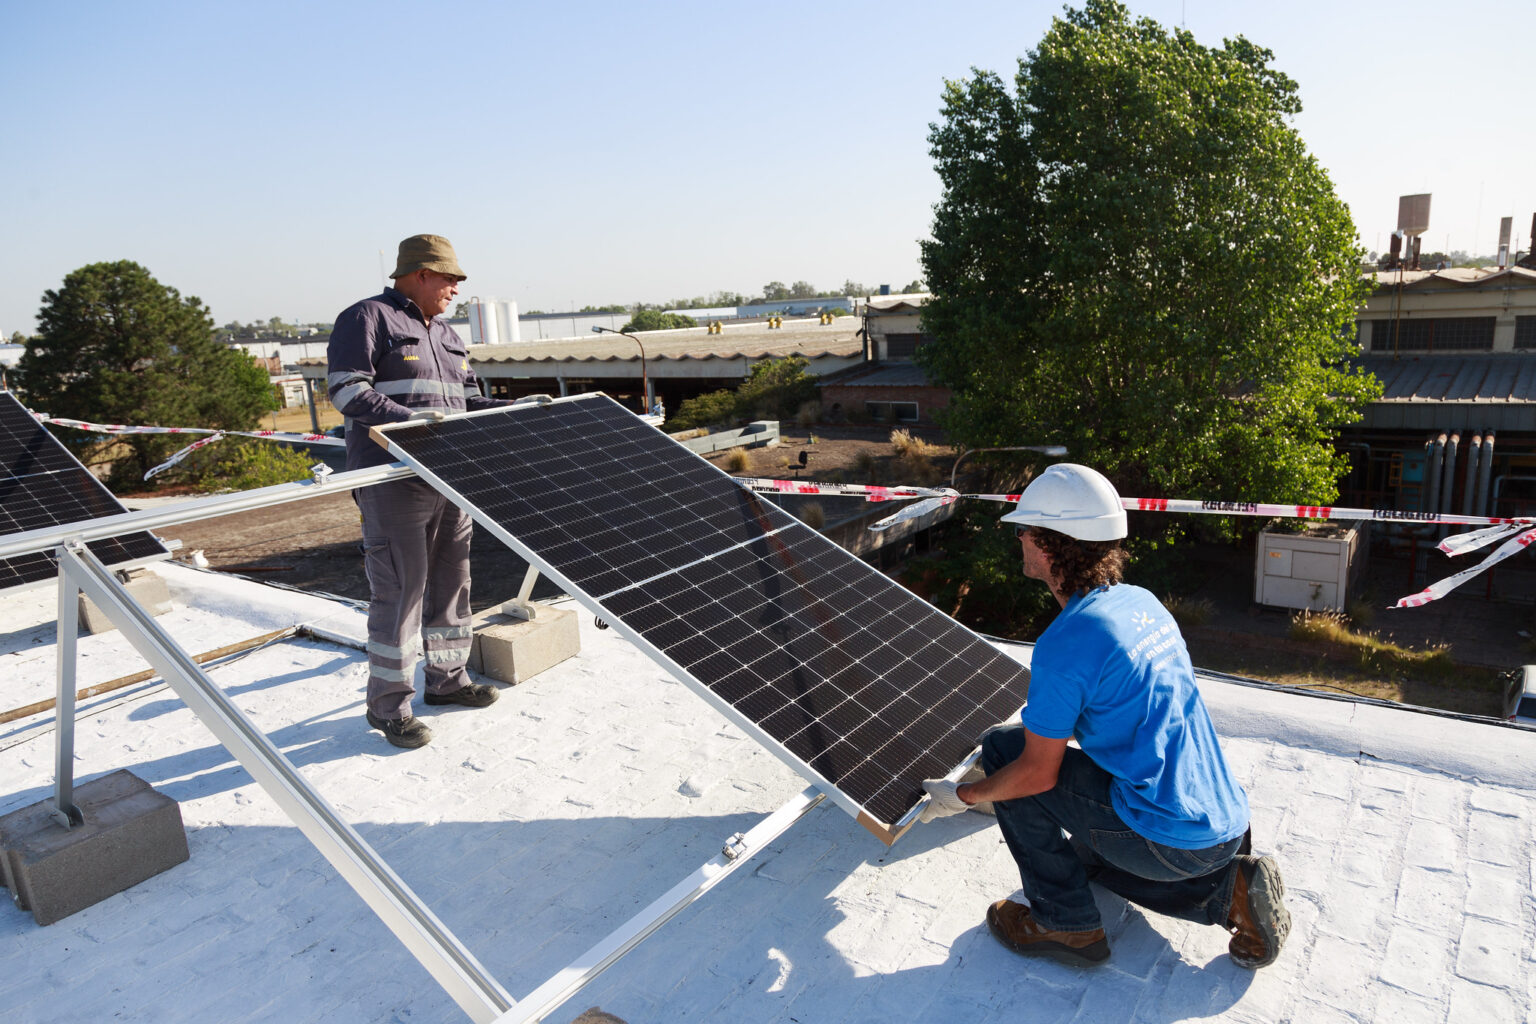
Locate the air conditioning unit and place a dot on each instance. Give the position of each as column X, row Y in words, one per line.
column 1315, row 569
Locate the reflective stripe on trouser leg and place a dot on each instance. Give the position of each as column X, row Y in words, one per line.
column 447, row 631
column 398, row 519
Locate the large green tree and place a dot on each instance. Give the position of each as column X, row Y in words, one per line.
column 1135, row 255
column 114, row 345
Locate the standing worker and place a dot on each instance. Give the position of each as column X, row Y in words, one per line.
column 392, row 359
column 1145, row 806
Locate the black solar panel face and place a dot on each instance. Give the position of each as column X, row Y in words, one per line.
column 871, row 687
column 42, row 485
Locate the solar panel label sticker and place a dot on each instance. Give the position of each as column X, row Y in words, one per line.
column 848, row 677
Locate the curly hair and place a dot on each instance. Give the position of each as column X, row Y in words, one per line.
column 1081, row 565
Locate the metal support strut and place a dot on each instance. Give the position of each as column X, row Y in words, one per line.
column 736, row 851
column 64, row 810
column 477, row 993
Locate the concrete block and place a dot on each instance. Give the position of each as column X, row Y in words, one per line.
column 511, row 650
column 130, row 833
column 143, row 585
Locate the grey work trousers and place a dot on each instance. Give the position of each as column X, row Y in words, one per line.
column 416, row 552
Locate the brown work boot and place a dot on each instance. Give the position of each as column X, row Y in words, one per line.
column 1257, row 918
column 1014, row 928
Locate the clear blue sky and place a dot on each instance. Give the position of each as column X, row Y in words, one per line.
column 259, row 156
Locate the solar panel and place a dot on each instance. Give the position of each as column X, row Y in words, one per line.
column 42, row 485
column 845, row 675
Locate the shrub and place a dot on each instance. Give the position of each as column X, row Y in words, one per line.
column 813, row 515
column 916, row 471
column 808, row 413
column 716, row 409
column 778, row 388
column 656, row 320
column 866, row 465
column 240, row 464
column 907, row 446
column 1189, row 611
column 1369, row 652
column 738, row 460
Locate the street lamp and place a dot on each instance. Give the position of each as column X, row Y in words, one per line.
column 1053, row 450
column 645, row 382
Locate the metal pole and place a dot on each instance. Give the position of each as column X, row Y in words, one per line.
column 645, row 381
column 64, row 810
column 199, row 508
column 435, row 947
column 1054, row 450
column 314, row 416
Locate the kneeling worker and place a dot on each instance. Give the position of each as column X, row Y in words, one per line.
column 1147, row 807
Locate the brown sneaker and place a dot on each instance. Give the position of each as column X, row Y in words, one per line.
column 1257, row 918
column 1014, row 928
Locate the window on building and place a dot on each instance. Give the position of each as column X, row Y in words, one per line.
column 1525, row 332
column 1433, row 334
column 891, row 412
column 903, row 346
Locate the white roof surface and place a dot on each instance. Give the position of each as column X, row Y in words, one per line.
column 535, row 827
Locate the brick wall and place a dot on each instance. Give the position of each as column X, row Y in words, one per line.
column 853, row 396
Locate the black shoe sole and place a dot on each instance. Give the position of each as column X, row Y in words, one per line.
column 412, row 742
column 482, row 699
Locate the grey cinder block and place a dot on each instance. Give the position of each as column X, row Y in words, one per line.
column 130, row 833
column 514, row 650
column 143, row 585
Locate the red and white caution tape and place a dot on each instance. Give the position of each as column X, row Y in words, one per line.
column 118, row 428
column 1517, row 534
column 188, row 450
column 869, row 492
column 1440, row 588
column 214, row 435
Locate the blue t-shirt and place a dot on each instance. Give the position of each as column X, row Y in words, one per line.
column 1113, row 671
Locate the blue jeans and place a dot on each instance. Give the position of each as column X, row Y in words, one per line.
column 1194, row 885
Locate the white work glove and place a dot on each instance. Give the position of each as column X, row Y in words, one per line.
column 430, row 415
column 942, row 800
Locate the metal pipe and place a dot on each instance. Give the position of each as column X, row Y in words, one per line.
column 1498, row 485
column 1055, row 451
column 199, row 508
column 1448, row 479
column 1483, row 473
column 1469, row 489
column 64, row 810
column 1429, row 500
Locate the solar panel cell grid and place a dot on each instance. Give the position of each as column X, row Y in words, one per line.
column 41, row 486
column 862, row 683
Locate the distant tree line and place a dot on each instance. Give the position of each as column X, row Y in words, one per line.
column 276, row 327
column 773, row 291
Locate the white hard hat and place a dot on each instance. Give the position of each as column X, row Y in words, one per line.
column 1073, row 500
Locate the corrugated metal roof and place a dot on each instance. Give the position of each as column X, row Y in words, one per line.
column 1460, row 276
column 1480, row 378
column 880, row 375
column 909, row 303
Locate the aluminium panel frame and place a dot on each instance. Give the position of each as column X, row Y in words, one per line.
column 886, row 832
